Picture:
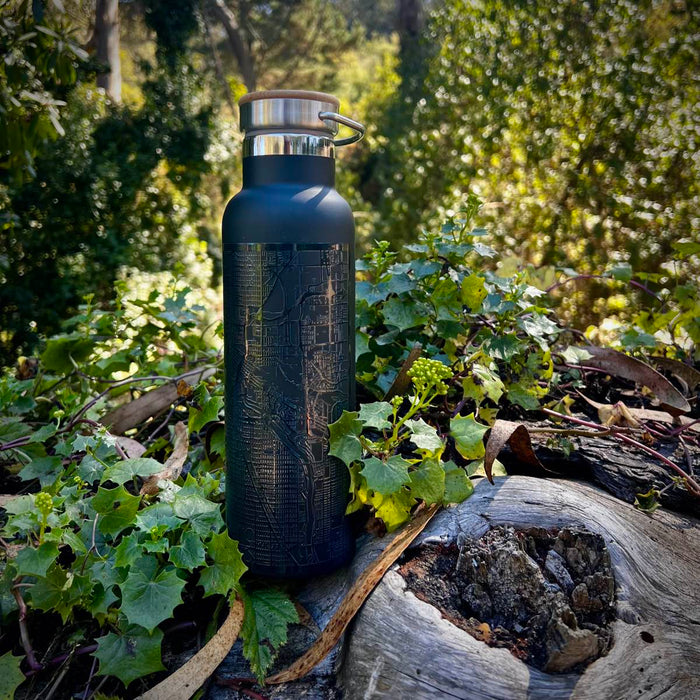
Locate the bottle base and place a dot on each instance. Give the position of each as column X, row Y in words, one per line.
column 295, row 572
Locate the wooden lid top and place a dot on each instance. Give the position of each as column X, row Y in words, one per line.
column 289, row 94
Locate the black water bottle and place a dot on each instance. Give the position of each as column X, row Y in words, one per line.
column 289, row 307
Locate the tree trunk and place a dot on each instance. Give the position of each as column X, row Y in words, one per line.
column 240, row 49
column 399, row 646
column 107, row 42
column 402, row 647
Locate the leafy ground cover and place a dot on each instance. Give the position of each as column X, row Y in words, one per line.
column 112, row 448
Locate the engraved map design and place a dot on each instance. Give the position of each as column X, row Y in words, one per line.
column 289, row 362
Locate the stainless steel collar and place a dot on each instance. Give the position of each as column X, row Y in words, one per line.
column 293, row 122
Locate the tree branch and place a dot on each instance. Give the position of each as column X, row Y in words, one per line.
column 235, row 39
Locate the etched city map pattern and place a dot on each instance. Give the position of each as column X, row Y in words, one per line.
column 288, row 348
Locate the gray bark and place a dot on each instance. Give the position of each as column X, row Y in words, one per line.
column 107, row 42
column 401, row 647
column 240, row 49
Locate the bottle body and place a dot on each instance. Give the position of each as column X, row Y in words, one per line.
column 288, row 246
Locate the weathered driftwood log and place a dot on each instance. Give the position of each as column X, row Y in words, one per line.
column 623, row 471
column 401, row 647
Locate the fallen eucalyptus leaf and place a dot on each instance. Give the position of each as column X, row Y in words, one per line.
column 621, row 365
column 184, row 683
column 173, row 465
column 688, row 374
column 354, row 598
column 517, row 436
column 153, row 402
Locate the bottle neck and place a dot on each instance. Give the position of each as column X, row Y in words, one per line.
column 293, row 170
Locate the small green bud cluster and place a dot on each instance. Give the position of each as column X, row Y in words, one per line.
column 426, row 373
column 79, row 482
column 44, row 503
column 396, row 402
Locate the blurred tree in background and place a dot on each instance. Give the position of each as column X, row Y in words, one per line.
column 577, row 121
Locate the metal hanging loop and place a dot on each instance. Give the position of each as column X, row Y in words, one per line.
column 345, row 121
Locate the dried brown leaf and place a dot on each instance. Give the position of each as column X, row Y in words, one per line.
column 617, row 414
column 621, row 365
column 402, row 382
column 643, row 414
column 353, row 600
column 184, row 683
column 132, row 448
column 173, row 465
column 514, row 434
column 688, row 374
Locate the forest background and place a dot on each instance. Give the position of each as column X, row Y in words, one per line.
column 575, row 122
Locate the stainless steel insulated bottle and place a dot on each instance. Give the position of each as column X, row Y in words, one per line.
column 289, row 307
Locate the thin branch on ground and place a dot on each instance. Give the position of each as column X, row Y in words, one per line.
column 690, row 483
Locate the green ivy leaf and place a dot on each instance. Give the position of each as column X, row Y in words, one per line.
column 375, row 415
column 458, row 486
column 473, row 292
column 156, row 515
column 209, row 411
column 523, row 396
column 60, row 591
column 62, row 350
column 402, row 315
column 117, row 509
column 344, row 442
column 647, row 502
column 502, row 347
column 386, row 477
column 395, row 509
column 46, row 469
column 227, row 567
column 217, row 442
column 361, row 344
column 130, row 655
column 43, row 433
column 371, row 293
column 268, row 612
column 147, row 601
column 428, row 481
column 90, row 469
column 101, row 600
column 127, row 469
column 35, row 562
column 128, row 550
column 425, row 438
column 203, row 515
column 477, row 468
column 468, row 435
column 483, row 383
column 11, row 676
column 189, row 554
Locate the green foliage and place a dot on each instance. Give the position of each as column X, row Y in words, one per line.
column 11, row 676
column 576, row 119
column 40, row 65
column 395, row 459
column 268, row 612
column 118, row 189
column 494, row 332
column 129, row 655
column 113, row 562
